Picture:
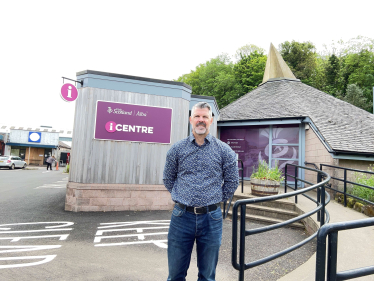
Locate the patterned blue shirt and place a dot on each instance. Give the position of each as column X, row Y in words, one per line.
column 201, row 175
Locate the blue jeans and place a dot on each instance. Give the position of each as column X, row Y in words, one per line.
column 185, row 228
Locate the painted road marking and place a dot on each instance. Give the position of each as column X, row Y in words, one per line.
column 16, row 239
column 48, row 227
column 46, row 259
column 141, row 236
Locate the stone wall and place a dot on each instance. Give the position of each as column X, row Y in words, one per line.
column 315, row 152
column 116, row 197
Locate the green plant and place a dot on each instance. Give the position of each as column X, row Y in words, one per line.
column 366, row 179
column 67, row 168
column 263, row 172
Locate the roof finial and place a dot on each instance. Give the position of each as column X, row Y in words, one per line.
column 276, row 67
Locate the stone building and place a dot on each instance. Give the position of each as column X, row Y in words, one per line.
column 286, row 121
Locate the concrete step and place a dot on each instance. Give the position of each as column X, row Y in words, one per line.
column 283, row 204
column 271, row 212
column 267, row 220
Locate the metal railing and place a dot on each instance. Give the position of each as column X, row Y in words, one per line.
column 320, row 209
column 345, row 181
column 226, row 206
column 331, row 230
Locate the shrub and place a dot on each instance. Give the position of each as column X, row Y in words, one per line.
column 366, row 179
column 263, row 172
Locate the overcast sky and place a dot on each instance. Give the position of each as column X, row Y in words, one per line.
column 41, row 41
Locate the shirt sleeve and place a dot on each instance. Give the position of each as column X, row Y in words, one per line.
column 171, row 169
column 230, row 174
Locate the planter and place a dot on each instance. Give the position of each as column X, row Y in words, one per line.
column 264, row 187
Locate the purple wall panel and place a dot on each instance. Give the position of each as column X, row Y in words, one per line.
column 251, row 143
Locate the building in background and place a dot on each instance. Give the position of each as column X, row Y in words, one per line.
column 35, row 144
column 285, row 121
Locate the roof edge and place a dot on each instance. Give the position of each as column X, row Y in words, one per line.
column 133, row 78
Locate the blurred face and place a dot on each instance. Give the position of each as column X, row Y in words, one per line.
column 200, row 121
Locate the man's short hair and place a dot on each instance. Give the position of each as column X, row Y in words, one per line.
column 202, row 105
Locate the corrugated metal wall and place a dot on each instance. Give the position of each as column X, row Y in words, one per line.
column 99, row 161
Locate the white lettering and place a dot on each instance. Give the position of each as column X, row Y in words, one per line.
column 69, row 91
column 125, row 128
column 131, row 128
column 144, row 129
column 150, row 130
column 118, row 127
column 16, row 239
column 138, row 127
column 46, row 258
column 111, row 126
column 27, row 248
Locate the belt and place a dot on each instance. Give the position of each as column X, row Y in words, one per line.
column 198, row 210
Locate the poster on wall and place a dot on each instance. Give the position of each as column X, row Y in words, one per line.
column 132, row 122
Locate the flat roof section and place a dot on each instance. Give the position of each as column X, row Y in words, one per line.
column 133, row 78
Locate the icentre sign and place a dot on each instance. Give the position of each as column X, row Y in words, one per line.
column 131, row 122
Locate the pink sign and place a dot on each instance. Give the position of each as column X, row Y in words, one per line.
column 132, row 122
column 69, row 92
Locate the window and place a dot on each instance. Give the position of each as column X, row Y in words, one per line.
column 274, row 144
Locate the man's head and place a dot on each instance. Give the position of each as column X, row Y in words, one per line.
column 201, row 118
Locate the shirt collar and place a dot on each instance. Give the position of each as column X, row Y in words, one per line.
column 208, row 137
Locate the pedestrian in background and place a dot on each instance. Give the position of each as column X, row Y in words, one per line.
column 49, row 161
column 200, row 172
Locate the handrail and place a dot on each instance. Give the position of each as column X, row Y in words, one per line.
column 226, row 212
column 331, row 230
column 321, row 203
column 345, row 181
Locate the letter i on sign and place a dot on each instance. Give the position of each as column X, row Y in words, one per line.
column 111, row 126
column 69, row 92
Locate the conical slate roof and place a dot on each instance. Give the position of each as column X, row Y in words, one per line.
column 345, row 127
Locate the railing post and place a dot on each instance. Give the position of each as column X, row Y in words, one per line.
column 319, row 179
column 345, row 188
column 321, row 255
column 242, row 242
column 285, row 179
column 332, row 254
column 323, row 202
column 296, row 169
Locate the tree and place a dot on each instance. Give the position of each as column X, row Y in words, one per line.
column 301, row 58
column 249, row 70
column 247, row 50
column 215, row 78
column 356, row 97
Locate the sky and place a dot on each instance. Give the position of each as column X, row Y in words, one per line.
column 42, row 41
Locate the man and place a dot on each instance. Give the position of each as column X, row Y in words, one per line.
column 49, row 161
column 200, row 172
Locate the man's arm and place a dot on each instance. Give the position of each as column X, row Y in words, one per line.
column 230, row 174
column 171, row 169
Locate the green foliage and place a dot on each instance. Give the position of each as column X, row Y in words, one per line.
column 356, row 97
column 263, row 172
column 249, row 70
column 215, row 78
column 301, row 58
column 366, row 179
column 331, row 71
column 248, row 50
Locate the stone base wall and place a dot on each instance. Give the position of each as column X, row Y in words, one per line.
column 315, row 152
column 116, row 197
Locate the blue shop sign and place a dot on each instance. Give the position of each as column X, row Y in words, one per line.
column 35, row 136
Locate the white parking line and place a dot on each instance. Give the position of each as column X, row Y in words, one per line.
column 51, row 186
column 45, row 227
column 133, row 226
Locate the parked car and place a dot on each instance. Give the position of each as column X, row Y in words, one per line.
column 12, row 162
